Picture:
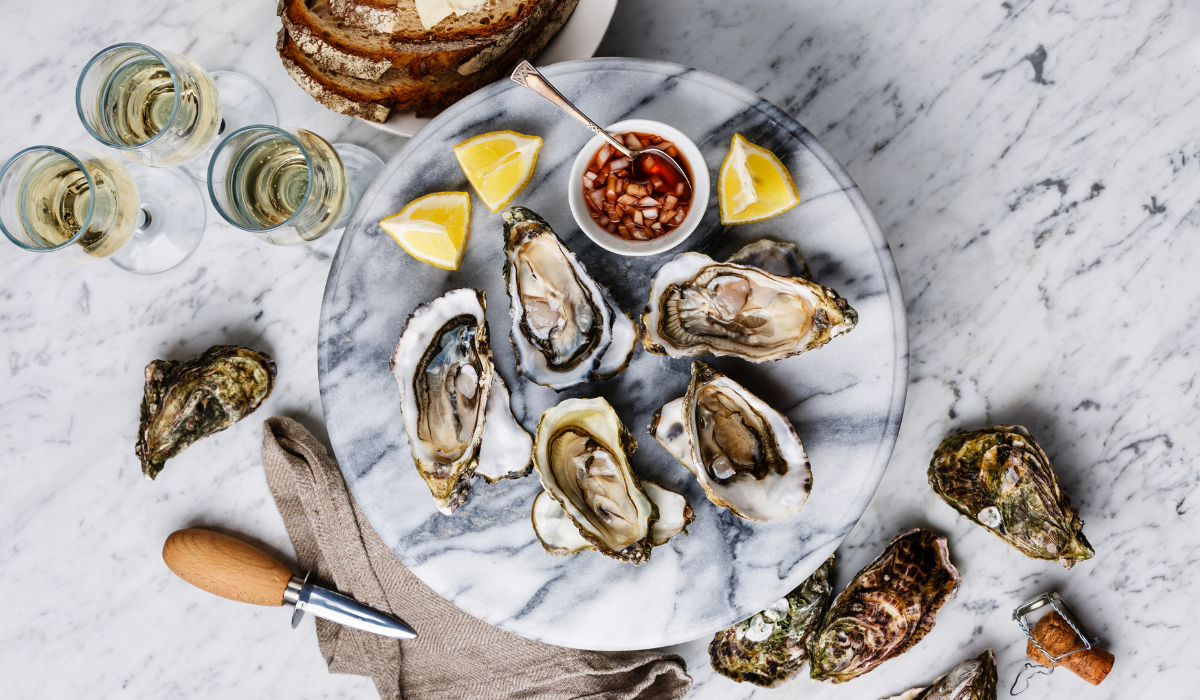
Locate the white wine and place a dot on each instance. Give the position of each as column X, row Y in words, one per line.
column 55, row 202
column 271, row 184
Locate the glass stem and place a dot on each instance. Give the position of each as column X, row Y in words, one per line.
column 144, row 219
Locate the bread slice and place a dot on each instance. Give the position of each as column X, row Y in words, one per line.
column 397, row 89
column 399, row 18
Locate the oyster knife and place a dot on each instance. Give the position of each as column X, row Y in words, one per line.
column 233, row 569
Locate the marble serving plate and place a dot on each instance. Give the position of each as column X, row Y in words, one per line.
column 845, row 399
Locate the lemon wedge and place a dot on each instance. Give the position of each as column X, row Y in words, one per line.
column 433, row 228
column 498, row 164
column 753, row 184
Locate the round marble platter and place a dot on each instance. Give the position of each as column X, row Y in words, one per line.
column 845, row 399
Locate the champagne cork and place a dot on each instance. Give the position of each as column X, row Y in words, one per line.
column 1056, row 636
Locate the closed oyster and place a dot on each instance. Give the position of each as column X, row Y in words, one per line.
column 744, row 453
column 699, row 306
column 191, row 399
column 888, row 607
column 777, row 258
column 581, row 453
column 559, row 535
column 999, row 478
column 769, row 647
column 973, row 679
column 443, row 366
column 566, row 328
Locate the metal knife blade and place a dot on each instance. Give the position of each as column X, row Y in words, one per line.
column 341, row 609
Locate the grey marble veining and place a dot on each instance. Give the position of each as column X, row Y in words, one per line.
column 845, row 400
column 1064, row 130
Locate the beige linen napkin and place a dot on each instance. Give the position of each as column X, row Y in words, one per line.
column 455, row 655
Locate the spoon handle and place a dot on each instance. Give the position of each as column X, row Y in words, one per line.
column 528, row 76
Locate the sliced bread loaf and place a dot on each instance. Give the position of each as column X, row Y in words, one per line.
column 400, row 19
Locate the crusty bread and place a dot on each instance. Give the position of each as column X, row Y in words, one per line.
column 396, row 88
column 399, row 18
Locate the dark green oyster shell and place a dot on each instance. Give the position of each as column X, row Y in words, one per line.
column 1000, row 479
column 973, row 679
column 787, row 625
column 888, row 607
column 188, row 400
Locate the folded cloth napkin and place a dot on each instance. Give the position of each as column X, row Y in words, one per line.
column 455, row 655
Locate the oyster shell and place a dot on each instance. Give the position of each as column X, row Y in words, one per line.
column 566, row 328
column 973, row 679
column 581, row 455
column 1001, row 479
column 506, row 449
column 559, row 535
column 744, row 453
column 777, row 258
column 769, row 647
column 699, row 306
column 888, row 607
column 443, row 366
column 188, row 400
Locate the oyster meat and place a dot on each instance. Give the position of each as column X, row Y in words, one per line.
column 581, row 453
column 973, row 679
column 777, row 258
column 188, row 400
column 559, row 535
column 888, row 607
column 772, row 645
column 698, row 306
column 1001, row 479
column 744, row 453
column 566, row 329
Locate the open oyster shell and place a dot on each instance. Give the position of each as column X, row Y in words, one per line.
column 772, row 645
column 744, row 453
column 188, row 400
column 559, row 535
column 888, row 607
column 698, row 306
column 973, row 679
column 1001, row 479
column 566, row 328
column 581, row 453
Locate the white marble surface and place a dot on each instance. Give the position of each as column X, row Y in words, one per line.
column 1065, row 131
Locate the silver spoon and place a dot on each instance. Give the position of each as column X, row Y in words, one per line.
column 645, row 163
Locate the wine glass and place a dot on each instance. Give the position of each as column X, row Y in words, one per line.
column 78, row 205
column 288, row 186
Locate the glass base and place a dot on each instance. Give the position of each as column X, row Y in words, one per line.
column 243, row 102
column 171, row 223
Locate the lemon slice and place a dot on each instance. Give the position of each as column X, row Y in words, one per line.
column 498, row 164
column 433, row 228
column 753, row 184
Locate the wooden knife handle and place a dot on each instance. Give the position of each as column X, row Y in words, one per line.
column 226, row 567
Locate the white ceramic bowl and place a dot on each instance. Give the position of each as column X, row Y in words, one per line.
column 700, row 191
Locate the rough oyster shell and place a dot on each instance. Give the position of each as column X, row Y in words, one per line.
column 581, row 455
column 1001, row 479
column 566, row 328
column 888, row 607
column 698, row 306
column 772, row 645
column 744, row 453
column 192, row 399
column 973, row 679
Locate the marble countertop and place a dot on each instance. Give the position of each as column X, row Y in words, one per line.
column 1033, row 165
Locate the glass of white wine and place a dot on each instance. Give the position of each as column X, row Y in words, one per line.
column 288, row 186
column 77, row 205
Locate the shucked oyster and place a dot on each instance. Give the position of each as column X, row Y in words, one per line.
column 581, row 454
column 769, row 647
column 888, row 607
column 744, row 453
column 188, row 400
column 973, row 679
column 699, row 306
column 443, row 366
column 566, row 328
column 999, row 478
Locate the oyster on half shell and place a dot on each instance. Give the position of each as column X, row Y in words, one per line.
column 973, row 679
column 698, row 306
column 188, row 400
column 888, row 607
column 581, row 453
column 566, row 328
column 744, row 453
column 772, row 645
column 1001, row 479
